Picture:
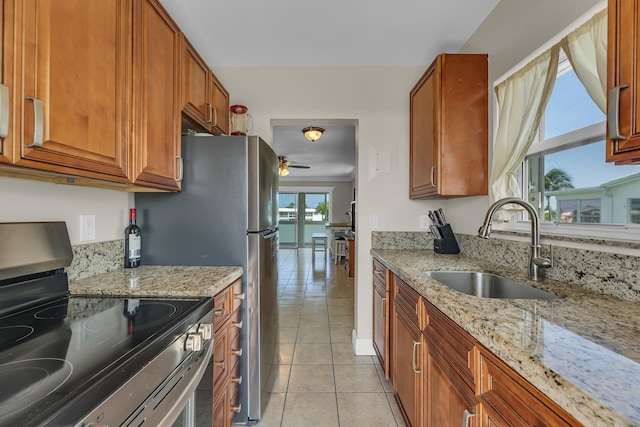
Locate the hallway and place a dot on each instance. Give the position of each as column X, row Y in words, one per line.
column 320, row 382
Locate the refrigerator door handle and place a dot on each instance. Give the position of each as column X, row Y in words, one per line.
column 267, row 233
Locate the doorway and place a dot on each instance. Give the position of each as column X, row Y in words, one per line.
column 300, row 215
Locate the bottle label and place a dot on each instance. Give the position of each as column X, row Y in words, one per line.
column 134, row 247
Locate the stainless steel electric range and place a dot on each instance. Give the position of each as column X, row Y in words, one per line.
column 79, row 361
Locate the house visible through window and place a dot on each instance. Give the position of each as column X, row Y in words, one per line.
column 565, row 174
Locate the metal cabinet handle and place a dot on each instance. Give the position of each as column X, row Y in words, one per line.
column 413, row 357
column 237, row 324
column 180, row 169
column 219, row 313
column 433, row 175
column 237, row 352
column 38, row 123
column 239, row 296
column 237, row 409
column 222, row 365
column 4, row 111
column 384, row 308
column 215, row 116
column 237, row 380
column 466, row 416
column 210, row 115
column 613, row 113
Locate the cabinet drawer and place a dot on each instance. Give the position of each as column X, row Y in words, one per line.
column 513, row 400
column 407, row 300
column 452, row 342
column 379, row 274
column 222, row 308
column 221, row 360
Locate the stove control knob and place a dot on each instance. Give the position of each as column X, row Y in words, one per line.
column 206, row 329
column 193, row 342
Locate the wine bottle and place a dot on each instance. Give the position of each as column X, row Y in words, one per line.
column 132, row 237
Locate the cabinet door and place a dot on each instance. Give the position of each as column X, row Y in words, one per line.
column 380, row 326
column 74, row 89
column 407, row 368
column 196, row 92
column 448, row 404
column 623, row 50
column 220, row 107
column 156, row 66
column 6, row 88
column 422, row 148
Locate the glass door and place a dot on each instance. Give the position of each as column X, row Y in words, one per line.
column 316, row 215
column 288, row 219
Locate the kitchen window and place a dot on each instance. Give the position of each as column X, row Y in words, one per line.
column 564, row 174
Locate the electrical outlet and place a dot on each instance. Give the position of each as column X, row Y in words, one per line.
column 373, row 221
column 87, row 227
column 424, row 222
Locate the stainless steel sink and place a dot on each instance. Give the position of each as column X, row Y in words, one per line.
column 487, row 285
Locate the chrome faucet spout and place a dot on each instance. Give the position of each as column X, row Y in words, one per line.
column 536, row 262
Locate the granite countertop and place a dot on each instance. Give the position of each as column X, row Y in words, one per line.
column 582, row 350
column 158, row 281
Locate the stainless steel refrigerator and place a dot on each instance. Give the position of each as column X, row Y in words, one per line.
column 226, row 214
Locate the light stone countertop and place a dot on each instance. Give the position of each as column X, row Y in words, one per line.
column 158, row 281
column 582, row 350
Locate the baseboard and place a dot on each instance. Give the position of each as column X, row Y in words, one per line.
column 363, row 347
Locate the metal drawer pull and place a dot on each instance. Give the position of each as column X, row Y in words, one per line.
column 237, row 380
column 237, row 352
column 219, row 313
column 466, row 415
column 215, row 116
column 413, row 357
column 237, row 324
column 38, row 123
column 433, row 173
column 4, row 111
column 237, row 409
column 384, row 308
column 239, row 296
column 210, row 116
column 180, row 169
column 222, row 365
column 613, row 113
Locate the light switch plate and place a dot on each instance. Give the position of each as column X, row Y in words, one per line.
column 87, row 227
column 373, row 221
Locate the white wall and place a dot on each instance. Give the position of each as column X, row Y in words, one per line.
column 24, row 200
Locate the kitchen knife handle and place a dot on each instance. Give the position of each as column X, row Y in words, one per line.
column 613, row 113
column 4, row 111
column 38, row 123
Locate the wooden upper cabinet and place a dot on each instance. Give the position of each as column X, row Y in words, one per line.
column 196, row 90
column 156, row 144
column 205, row 101
column 622, row 77
column 72, row 62
column 449, row 128
column 220, row 100
column 6, row 98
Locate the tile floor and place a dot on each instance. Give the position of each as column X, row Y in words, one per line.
column 319, row 381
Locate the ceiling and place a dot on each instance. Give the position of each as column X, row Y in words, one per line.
column 291, row 33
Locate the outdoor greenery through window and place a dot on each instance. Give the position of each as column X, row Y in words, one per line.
column 297, row 224
column 565, row 171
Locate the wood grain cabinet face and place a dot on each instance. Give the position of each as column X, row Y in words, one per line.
column 220, row 101
column 156, row 69
column 73, row 94
column 449, row 128
column 623, row 50
column 196, row 98
column 381, row 315
column 7, row 99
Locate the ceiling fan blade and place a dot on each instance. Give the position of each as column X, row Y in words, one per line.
column 300, row 166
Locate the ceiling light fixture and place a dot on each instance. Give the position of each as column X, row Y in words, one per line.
column 312, row 133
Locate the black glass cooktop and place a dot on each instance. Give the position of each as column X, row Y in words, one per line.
column 52, row 353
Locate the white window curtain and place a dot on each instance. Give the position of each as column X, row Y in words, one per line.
column 522, row 99
column 586, row 48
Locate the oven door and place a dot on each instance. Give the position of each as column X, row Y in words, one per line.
column 198, row 410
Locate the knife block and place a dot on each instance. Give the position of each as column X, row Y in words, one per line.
column 447, row 244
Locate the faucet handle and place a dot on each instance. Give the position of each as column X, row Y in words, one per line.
column 545, row 262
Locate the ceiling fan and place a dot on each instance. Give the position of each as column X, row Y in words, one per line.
column 284, row 165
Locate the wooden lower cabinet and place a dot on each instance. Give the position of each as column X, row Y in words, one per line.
column 407, row 348
column 350, row 258
column 443, row 377
column 381, row 315
column 226, row 354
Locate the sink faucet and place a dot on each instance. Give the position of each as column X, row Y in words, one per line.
column 536, row 262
